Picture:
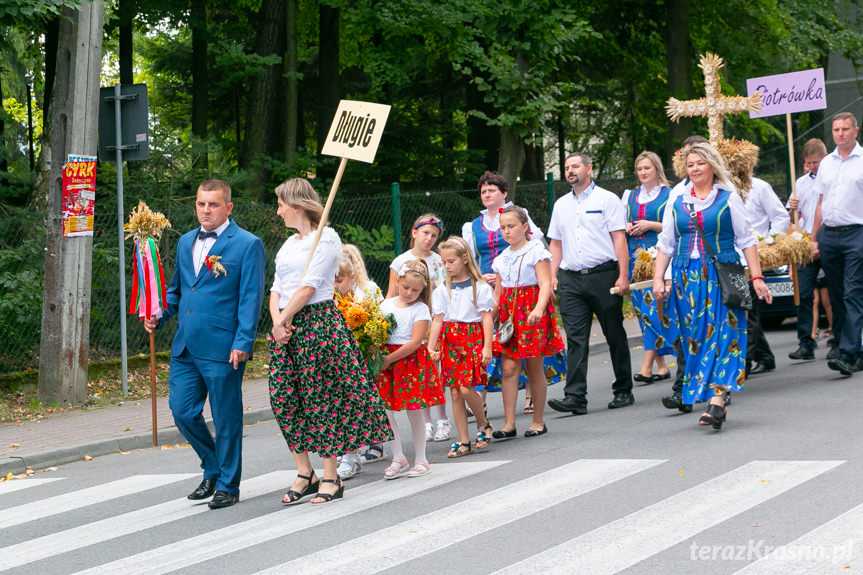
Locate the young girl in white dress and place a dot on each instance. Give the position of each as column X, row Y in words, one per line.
column 409, row 381
column 461, row 338
column 425, row 232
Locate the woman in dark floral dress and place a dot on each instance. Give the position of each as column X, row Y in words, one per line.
column 321, row 392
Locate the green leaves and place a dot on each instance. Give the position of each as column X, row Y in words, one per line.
column 27, row 11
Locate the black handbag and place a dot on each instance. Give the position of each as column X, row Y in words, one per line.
column 732, row 277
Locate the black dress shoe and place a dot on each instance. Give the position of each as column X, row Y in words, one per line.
column 662, row 376
column 803, row 352
column 568, row 403
column 762, row 367
column 675, row 401
column 536, row 432
column 223, row 499
column 621, row 400
column 501, row 434
column 644, row 378
column 842, row 366
column 204, row 490
column 834, row 353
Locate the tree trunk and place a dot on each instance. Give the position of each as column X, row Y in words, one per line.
column 200, row 95
column 328, row 71
column 72, row 129
column 265, row 94
column 30, row 148
column 126, row 14
column 679, row 57
column 511, row 158
column 52, row 31
column 481, row 136
column 561, row 144
column 292, row 82
column 534, row 164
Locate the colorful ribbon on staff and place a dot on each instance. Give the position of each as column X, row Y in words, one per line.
column 148, row 280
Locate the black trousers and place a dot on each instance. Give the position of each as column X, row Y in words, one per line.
column 582, row 296
column 757, row 348
column 842, row 260
column 806, row 280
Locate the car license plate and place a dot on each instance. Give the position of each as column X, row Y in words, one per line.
column 781, row 288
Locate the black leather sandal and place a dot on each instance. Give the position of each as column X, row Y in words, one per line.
column 327, row 497
column 715, row 416
column 293, row 496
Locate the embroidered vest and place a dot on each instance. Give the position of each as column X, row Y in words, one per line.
column 651, row 211
column 718, row 230
column 487, row 245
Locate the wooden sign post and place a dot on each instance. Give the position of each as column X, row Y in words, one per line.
column 785, row 94
column 354, row 135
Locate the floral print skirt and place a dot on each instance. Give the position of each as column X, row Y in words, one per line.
column 461, row 355
column 713, row 335
column 539, row 340
column 321, row 392
column 410, row 383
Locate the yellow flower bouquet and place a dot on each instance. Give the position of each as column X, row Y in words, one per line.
column 370, row 327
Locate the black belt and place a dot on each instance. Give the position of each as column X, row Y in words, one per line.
column 847, row 228
column 603, row 267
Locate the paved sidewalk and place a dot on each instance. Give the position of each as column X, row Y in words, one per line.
column 100, row 431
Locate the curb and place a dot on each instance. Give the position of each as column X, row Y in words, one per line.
column 71, row 453
column 167, row 436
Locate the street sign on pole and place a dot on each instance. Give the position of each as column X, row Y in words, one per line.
column 123, row 134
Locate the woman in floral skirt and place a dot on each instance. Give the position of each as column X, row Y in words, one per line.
column 321, row 392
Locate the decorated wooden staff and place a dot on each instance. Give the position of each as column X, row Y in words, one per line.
column 148, row 297
column 354, row 135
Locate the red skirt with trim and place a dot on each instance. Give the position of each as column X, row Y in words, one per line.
column 461, row 355
column 410, row 383
column 542, row 339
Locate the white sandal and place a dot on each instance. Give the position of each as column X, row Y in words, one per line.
column 419, row 469
column 395, row 468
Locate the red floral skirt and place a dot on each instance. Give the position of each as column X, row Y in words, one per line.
column 542, row 339
column 410, row 383
column 461, row 355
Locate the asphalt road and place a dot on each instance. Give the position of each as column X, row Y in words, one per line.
column 637, row 490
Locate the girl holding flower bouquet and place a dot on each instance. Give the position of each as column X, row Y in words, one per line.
column 409, row 381
column 352, row 281
column 644, row 208
column 461, row 336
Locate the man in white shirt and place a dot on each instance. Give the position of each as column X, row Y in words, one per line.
column 767, row 216
column 838, row 234
column 588, row 247
column 804, row 202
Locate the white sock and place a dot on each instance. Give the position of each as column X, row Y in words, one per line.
column 418, row 430
column 396, row 444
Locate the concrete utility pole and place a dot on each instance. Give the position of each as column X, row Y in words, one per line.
column 65, row 345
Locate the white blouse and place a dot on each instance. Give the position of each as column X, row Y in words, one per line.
column 491, row 222
column 437, row 273
column 321, row 275
column 743, row 237
column 406, row 317
column 506, row 265
column 460, row 307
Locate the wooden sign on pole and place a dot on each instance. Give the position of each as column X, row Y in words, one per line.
column 354, row 135
column 786, row 94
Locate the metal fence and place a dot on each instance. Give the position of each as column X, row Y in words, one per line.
column 379, row 225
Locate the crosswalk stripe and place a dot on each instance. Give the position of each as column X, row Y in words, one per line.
column 826, row 549
column 84, row 497
column 433, row 531
column 17, row 485
column 246, row 534
column 620, row 544
column 132, row 522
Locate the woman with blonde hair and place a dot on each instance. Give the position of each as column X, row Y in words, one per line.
column 644, row 207
column 321, row 392
column 705, row 222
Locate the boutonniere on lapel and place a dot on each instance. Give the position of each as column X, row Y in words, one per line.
column 215, row 266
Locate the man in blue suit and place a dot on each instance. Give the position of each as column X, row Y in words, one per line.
column 216, row 293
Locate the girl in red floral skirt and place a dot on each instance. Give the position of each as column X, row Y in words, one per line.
column 409, row 381
column 523, row 292
column 462, row 327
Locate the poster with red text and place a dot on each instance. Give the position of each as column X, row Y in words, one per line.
column 79, row 195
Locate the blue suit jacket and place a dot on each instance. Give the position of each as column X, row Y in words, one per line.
column 217, row 314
